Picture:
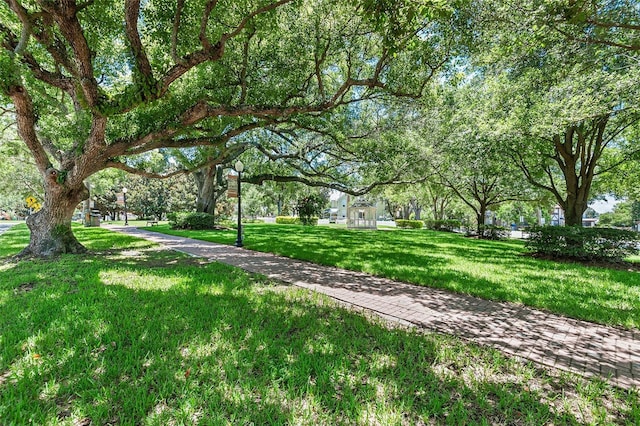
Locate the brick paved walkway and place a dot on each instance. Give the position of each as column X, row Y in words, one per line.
column 544, row 338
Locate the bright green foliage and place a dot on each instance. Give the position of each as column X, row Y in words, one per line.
column 635, row 211
column 154, row 198
column 294, row 220
column 412, row 224
column 574, row 242
column 9, row 70
column 559, row 100
column 468, row 157
column 621, row 216
column 20, row 179
column 101, row 85
column 610, row 24
column 287, row 220
column 309, row 207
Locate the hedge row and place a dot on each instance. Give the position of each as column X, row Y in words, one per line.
column 574, row 242
column 290, row 220
column 404, row 223
column 442, row 225
column 190, row 220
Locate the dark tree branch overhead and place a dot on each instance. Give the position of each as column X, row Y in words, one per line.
column 614, row 24
column 26, row 120
column 211, row 4
column 307, row 180
column 176, row 29
column 138, row 172
column 142, row 65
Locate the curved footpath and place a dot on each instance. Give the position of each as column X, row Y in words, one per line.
column 552, row 340
column 4, row 226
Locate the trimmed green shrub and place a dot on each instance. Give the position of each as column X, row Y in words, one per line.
column 290, row 220
column 404, row 223
column 190, row 220
column 442, row 225
column 575, row 242
column 287, row 220
column 492, row 232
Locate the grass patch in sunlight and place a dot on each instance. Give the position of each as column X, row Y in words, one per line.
column 130, row 334
column 495, row 270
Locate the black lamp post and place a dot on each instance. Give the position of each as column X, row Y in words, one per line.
column 124, row 196
column 239, row 169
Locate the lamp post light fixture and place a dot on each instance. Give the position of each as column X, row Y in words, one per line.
column 124, row 198
column 239, row 168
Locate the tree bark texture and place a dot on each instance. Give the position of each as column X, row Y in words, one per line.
column 205, row 181
column 481, row 214
column 209, row 189
column 50, row 227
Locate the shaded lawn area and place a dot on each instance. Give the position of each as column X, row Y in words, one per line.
column 130, row 334
column 496, row 270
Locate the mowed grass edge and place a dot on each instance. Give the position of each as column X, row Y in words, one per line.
column 130, row 334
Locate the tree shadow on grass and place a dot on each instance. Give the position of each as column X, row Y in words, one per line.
column 489, row 269
column 221, row 346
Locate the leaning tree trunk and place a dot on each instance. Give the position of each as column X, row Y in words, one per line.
column 50, row 227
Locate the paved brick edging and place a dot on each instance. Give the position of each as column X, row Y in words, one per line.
column 548, row 339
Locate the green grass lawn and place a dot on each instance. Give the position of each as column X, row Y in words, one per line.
column 496, row 270
column 130, row 334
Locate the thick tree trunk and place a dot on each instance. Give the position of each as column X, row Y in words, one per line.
column 438, row 208
column 392, row 209
column 481, row 214
column 406, row 211
column 205, row 181
column 574, row 209
column 417, row 209
column 50, row 227
column 577, row 154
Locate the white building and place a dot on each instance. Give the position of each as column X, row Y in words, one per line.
column 340, row 202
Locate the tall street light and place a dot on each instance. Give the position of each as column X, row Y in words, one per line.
column 124, row 196
column 239, row 169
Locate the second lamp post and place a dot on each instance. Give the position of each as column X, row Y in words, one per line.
column 124, row 199
column 239, row 169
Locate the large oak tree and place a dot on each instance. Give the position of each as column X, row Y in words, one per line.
column 562, row 79
column 96, row 83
